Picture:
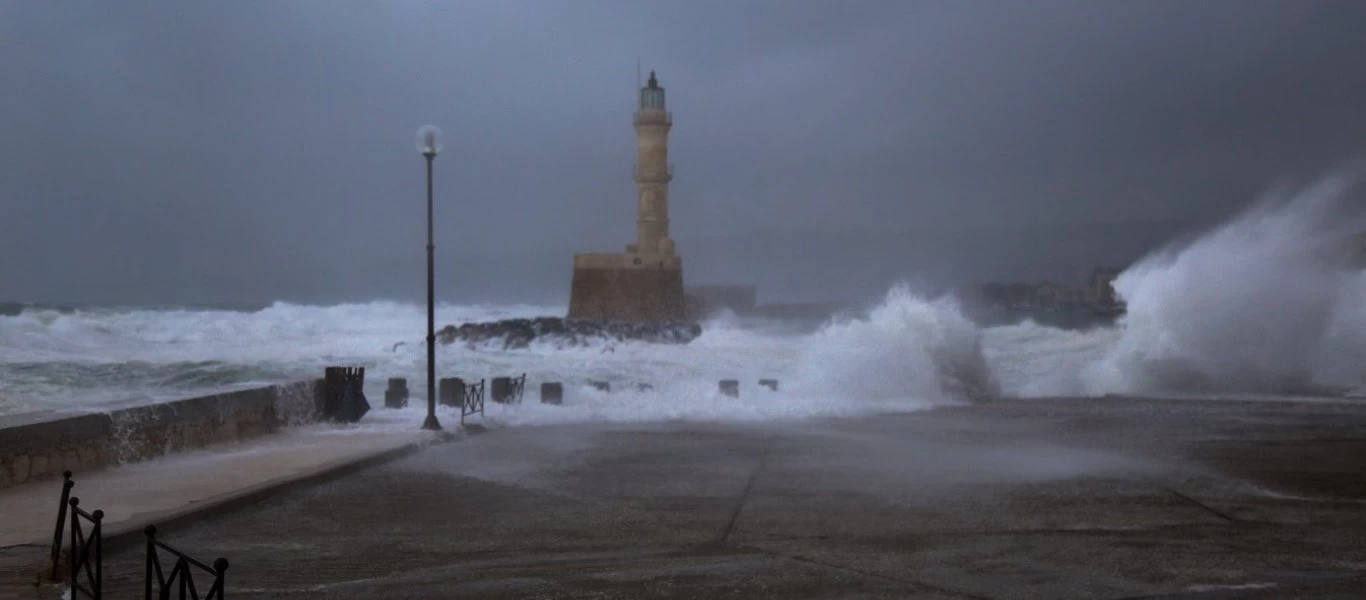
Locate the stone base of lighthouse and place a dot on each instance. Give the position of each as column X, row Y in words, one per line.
column 628, row 287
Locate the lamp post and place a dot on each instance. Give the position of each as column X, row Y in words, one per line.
column 429, row 144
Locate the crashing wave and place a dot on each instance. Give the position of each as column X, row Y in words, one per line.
column 908, row 347
column 1269, row 302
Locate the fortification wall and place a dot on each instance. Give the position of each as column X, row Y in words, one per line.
column 41, row 445
column 652, row 295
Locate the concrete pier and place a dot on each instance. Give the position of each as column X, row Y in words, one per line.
column 176, row 491
column 1109, row 498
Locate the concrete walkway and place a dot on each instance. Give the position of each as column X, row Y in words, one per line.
column 171, row 490
column 1115, row 498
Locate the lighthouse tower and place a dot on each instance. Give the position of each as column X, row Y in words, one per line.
column 645, row 283
column 652, row 174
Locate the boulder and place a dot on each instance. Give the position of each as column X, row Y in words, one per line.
column 511, row 334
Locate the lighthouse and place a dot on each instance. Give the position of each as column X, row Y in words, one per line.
column 644, row 284
column 652, row 174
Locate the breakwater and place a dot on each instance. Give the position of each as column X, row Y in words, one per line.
column 519, row 333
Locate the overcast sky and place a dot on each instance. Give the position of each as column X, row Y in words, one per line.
column 200, row 151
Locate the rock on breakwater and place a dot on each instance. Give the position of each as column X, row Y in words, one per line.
column 519, row 333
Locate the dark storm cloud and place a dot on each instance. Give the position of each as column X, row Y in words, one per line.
column 171, row 151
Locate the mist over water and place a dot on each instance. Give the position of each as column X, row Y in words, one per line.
column 1271, row 302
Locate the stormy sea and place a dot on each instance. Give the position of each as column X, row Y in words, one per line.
column 1270, row 303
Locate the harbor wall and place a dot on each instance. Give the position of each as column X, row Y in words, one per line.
column 41, row 445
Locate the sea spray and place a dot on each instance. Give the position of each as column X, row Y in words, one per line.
column 1033, row 360
column 1269, row 302
column 922, row 351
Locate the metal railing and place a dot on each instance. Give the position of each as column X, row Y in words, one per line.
column 83, row 560
column 472, row 400
column 54, row 572
column 515, row 387
column 181, row 578
column 507, row 390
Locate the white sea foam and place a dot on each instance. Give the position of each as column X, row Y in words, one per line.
column 906, row 354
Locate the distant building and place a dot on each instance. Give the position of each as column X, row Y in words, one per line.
column 644, row 283
column 1098, row 293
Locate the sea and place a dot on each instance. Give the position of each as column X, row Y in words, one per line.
column 1270, row 304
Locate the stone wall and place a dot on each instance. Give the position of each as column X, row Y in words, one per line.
column 41, row 445
column 627, row 294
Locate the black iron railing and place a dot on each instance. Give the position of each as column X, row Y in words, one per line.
column 55, row 571
column 87, row 553
column 181, row 578
column 515, row 389
column 472, row 400
column 507, row 390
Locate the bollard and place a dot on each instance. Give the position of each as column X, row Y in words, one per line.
column 451, row 392
column 644, row 387
column 729, row 387
column 500, row 389
column 397, row 394
column 601, row 386
column 771, row 384
column 552, row 392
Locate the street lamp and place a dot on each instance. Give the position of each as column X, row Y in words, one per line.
column 429, row 144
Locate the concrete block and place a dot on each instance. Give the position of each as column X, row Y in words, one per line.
column 644, row 387
column 396, row 396
column 729, row 387
column 601, row 386
column 552, row 392
column 500, row 390
column 771, row 384
column 451, row 391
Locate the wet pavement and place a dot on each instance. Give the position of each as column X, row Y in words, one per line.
column 1115, row 498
